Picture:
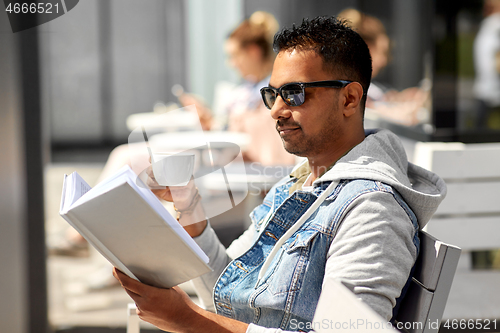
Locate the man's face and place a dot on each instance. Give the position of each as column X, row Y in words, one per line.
column 314, row 127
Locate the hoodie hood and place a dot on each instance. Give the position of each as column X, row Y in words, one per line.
column 381, row 157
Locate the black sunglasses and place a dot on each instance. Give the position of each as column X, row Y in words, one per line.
column 293, row 94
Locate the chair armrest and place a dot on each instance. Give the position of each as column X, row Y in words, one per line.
column 132, row 319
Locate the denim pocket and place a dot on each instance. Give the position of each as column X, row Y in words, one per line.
column 291, row 268
column 258, row 215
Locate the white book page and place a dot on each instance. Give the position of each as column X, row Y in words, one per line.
column 73, row 189
column 120, row 177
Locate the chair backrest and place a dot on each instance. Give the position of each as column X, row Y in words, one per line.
column 469, row 216
column 423, row 306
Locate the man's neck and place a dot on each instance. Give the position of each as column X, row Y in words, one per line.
column 323, row 162
column 318, row 168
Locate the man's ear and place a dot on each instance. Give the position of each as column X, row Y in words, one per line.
column 353, row 94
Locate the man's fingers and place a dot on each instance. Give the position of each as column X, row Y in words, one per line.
column 151, row 180
column 135, row 297
column 131, row 286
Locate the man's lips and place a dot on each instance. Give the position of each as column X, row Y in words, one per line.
column 286, row 130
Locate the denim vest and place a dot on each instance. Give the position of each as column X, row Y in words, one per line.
column 291, row 287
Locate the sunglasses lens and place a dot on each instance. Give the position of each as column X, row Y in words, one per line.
column 269, row 97
column 293, row 94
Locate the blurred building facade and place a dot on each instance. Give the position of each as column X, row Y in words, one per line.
column 109, row 59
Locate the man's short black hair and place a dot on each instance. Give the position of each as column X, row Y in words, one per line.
column 343, row 51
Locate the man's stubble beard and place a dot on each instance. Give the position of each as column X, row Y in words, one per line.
column 310, row 146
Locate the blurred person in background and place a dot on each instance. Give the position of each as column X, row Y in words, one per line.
column 249, row 51
column 240, row 108
column 487, row 64
column 407, row 107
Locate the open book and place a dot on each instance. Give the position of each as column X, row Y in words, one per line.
column 129, row 226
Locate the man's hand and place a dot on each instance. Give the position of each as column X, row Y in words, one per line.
column 172, row 309
column 204, row 113
column 167, row 309
column 182, row 196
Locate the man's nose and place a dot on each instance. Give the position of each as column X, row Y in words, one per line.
column 280, row 109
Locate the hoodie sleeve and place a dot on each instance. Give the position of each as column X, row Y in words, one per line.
column 373, row 250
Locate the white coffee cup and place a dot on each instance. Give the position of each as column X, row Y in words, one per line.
column 172, row 169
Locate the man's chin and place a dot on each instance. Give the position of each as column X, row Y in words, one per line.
column 294, row 150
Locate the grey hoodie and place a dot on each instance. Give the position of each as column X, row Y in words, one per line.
column 380, row 157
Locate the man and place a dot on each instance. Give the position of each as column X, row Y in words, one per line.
column 349, row 212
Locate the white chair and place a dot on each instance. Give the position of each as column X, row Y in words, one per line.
column 420, row 310
column 469, row 217
column 423, row 306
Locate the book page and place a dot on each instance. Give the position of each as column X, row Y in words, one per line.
column 108, row 184
column 104, row 186
column 73, row 189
